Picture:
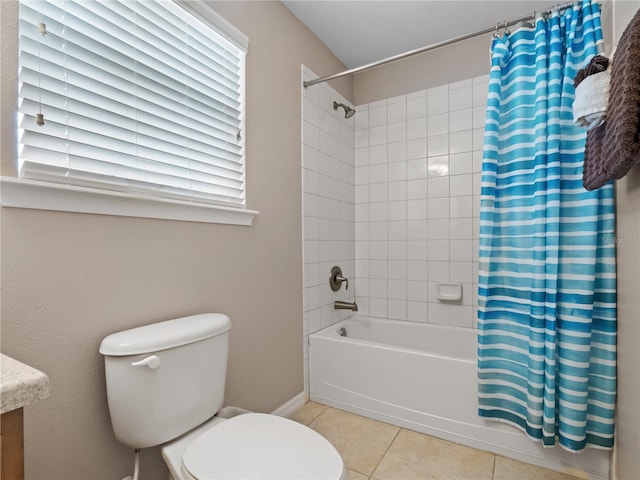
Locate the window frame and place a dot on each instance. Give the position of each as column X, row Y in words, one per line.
column 42, row 195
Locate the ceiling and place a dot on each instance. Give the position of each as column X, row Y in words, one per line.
column 359, row 32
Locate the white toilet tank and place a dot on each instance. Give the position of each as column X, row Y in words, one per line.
column 166, row 378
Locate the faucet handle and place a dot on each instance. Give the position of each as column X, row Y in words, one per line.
column 336, row 278
column 341, row 279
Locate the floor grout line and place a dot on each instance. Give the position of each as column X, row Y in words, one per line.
column 385, row 452
column 493, row 468
column 317, row 416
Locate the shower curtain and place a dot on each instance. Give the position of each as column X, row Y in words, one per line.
column 547, row 305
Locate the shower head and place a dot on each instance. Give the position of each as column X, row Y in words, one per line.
column 348, row 111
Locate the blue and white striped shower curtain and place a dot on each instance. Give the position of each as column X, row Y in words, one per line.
column 547, row 301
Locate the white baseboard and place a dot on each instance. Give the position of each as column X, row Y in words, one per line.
column 290, row 407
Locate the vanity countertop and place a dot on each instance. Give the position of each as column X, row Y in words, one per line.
column 20, row 384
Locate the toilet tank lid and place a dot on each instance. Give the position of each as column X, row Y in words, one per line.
column 166, row 334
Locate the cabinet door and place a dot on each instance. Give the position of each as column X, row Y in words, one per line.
column 12, row 445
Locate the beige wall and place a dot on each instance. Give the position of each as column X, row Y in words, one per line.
column 459, row 61
column 627, row 460
column 70, row 279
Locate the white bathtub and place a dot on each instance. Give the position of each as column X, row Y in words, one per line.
column 423, row 377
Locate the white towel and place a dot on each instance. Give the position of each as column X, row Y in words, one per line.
column 591, row 100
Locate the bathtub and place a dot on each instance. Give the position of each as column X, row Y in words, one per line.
column 423, row 377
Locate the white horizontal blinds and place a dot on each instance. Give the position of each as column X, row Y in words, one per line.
column 136, row 96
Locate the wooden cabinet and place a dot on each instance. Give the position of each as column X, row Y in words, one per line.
column 20, row 385
column 12, row 445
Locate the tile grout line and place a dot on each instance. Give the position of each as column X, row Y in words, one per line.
column 318, row 416
column 385, row 452
column 493, row 469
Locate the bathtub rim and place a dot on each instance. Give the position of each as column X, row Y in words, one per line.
column 331, row 333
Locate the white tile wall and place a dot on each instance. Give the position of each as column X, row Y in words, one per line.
column 392, row 195
column 329, row 191
column 417, row 175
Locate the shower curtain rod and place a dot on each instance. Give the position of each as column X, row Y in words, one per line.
column 433, row 46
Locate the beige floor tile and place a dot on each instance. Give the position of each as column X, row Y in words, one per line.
column 308, row 413
column 351, row 475
column 360, row 441
column 508, row 469
column 414, row 456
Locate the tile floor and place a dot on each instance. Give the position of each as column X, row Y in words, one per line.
column 373, row 450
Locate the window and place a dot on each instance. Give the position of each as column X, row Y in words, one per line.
column 136, row 97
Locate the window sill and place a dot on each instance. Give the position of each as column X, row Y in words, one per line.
column 18, row 193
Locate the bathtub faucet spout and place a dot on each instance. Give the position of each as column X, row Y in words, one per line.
column 340, row 305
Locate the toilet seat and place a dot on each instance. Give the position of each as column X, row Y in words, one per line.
column 261, row 446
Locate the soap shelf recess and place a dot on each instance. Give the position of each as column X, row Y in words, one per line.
column 449, row 292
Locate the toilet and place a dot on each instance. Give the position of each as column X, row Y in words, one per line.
column 165, row 383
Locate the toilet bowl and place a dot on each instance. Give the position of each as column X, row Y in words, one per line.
column 165, row 382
